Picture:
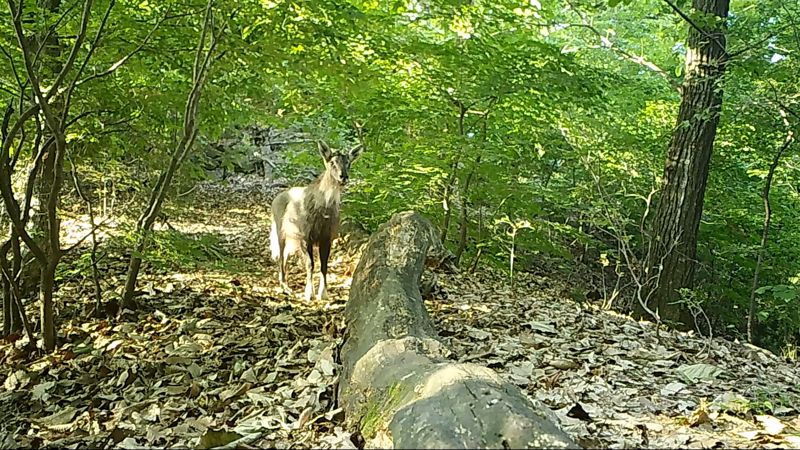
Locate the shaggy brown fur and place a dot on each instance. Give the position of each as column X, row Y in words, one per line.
column 308, row 217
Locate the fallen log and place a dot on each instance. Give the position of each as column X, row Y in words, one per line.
column 397, row 386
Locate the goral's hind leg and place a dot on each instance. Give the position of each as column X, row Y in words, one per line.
column 309, row 252
column 283, row 264
column 324, row 254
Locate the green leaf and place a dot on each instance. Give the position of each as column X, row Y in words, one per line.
column 697, row 372
column 784, row 292
column 217, row 438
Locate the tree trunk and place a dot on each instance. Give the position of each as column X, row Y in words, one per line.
column 46, row 288
column 671, row 258
column 451, row 180
column 47, row 222
column 50, row 64
column 751, row 312
column 397, row 386
column 53, row 250
column 16, row 268
column 462, row 237
column 148, row 217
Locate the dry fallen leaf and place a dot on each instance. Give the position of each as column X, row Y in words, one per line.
column 218, row 354
column 563, row 364
column 771, row 425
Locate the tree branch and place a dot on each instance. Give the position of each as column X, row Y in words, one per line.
column 689, row 20
column 32, row 173
column 51, row 29
column 755, row 44
column 6, row 120
column 606, row 43
column 73, row 55
column 125, row 58
column 71, row 88
column 20, row 122
column 12, row 209
column 34, row 80
column 12, row 65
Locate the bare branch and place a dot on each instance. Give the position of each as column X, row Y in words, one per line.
column 125, row 58
column 201, row 43
column 606, row 43
column 32, row 77
column 12, row 65
column 32, row 173
column 757, row 43
column 93, row 230
column 23, row 135
column 12, row 209
column 694, row 25
column 18, row 125
column 51, row 29
column 98, row 35
column 73, row 55
column 6, row 120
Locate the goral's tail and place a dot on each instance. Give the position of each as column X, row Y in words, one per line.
column 274, row 245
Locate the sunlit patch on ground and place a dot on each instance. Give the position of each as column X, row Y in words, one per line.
column 78, row 229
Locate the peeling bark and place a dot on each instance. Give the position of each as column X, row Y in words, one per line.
column 397, row 386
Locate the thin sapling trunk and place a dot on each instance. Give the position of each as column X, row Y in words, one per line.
column 765, row 230
column 145, row 223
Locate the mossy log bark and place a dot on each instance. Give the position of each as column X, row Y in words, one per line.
column 397, row 385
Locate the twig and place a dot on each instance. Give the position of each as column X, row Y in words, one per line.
column 111, row 69
column 73, row 84
column 694, row 25
column 606, row 43
column 755, row 44
column 73, row 55
column 98, row 292
column 12, row 65
column 16, row 295
column 86, row 236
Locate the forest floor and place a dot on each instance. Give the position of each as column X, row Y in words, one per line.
column 217, row 356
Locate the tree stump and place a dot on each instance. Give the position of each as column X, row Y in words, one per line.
column 397, row 386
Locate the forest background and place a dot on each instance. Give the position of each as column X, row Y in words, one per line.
column 533, row 133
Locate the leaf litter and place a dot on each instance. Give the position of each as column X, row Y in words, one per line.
column 217, row 358
column 612, row 381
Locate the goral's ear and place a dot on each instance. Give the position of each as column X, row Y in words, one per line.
column 324, row 151
column 356, row 151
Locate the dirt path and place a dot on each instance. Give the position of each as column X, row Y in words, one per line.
column 214, row 347
column 216, row 350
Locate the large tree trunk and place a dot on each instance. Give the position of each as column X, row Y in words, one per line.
column 397, row 386
column 671, row 259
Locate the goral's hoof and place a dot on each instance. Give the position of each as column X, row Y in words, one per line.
column 283, row 288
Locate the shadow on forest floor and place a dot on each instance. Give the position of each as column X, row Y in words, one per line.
column 216, row 350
